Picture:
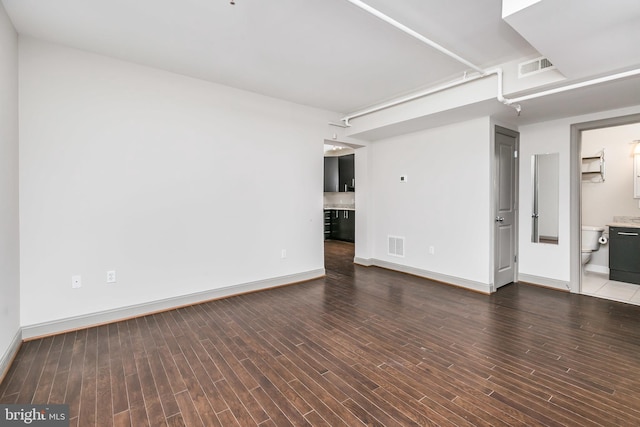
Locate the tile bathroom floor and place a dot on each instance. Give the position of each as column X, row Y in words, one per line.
column 599, row 285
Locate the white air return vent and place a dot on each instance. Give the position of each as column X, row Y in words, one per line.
column 396, row 246
column 534, row 66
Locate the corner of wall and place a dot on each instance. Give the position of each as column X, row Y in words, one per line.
column 10, row 354
column 10, row 332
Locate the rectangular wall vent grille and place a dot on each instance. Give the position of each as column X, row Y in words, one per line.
column 396, row 246
column 534, row 66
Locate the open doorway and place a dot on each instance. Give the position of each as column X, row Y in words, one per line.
column 603, row 155
column 339, row 202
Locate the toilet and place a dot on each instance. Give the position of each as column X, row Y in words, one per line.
column 590, row 243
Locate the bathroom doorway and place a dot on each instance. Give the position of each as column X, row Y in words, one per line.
column 603, row 161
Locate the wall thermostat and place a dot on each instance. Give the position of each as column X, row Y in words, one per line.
column 403, row 178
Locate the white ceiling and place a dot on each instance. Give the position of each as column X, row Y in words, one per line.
column 323, row 53
column 583, row 38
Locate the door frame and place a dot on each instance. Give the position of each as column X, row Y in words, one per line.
column 516, row 220
column 575, row 191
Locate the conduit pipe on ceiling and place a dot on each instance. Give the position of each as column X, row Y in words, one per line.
column 466, row 79
column 408, row 98
column 414, row 34
column 431, row 43
column 513, row 102
column 573, row 86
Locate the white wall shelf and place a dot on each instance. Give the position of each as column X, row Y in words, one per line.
column 593, row 167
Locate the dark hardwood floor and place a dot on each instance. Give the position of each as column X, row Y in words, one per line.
column 361, row 346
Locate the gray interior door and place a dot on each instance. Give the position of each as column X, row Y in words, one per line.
column 506, row 174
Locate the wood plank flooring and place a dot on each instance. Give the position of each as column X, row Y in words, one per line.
column 363, row 346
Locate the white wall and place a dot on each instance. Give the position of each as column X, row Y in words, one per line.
column 9, row 237
column 364, row 205
column 601, row 201
column 445, row 202
column 180, row 185
column 545, row 261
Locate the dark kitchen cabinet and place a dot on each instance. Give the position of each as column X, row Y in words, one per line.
column 339, row 174
column 328, row 222
column 347, row 226
column 624, row 254
column 347, row 173
column 331, row 174
column 340, row 225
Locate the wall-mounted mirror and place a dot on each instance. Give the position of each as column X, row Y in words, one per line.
column 544, row 215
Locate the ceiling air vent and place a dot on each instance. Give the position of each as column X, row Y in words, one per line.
column 534, row 66
column 396, row 246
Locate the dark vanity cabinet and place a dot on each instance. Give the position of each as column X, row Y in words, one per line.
column 624, row 254
column 339, row 174
column 340, row 224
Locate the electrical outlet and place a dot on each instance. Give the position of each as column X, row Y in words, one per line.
column 283, row 254
column 76, row 282
column 432, row 250
column 111, row 276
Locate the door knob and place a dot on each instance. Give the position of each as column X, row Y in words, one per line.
column 499, row 219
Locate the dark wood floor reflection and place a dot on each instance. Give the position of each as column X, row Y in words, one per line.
column 361, row 346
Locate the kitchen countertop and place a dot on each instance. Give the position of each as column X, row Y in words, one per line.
column 340, row 207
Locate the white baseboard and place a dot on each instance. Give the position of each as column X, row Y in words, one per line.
column 108, row 316
column 597, row 269
column 444, row 278
column 544, row 281
column 11, row 352
column 363, row 261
